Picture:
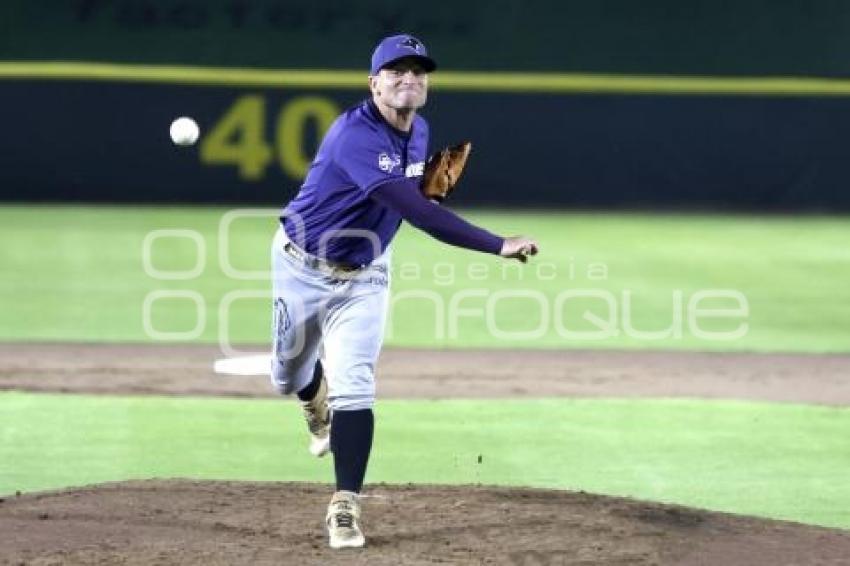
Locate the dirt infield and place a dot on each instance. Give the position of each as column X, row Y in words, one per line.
column 193, row 522
column 428, row 374
column 209, row 523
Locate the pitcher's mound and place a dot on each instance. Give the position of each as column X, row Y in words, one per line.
column 208, row 523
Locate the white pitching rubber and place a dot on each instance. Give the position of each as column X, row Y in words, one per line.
column 244, row 365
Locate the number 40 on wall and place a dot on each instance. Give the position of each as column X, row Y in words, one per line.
column 238, row 137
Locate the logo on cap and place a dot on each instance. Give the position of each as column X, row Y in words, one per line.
column 411, row 43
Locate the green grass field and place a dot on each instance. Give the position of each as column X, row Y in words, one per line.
column 77, row 274
column 781, row 461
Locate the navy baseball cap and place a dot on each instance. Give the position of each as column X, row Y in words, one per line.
column 397, row 47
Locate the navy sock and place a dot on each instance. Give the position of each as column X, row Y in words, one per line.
column 351, row 442
column 312, row 388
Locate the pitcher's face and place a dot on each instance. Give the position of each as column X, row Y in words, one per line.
column 402, row 85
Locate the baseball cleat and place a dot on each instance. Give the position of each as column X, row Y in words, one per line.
column 317, row 415
column 343, row 521
column 320, row 445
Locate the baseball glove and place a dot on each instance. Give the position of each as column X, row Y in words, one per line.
column 443, row 171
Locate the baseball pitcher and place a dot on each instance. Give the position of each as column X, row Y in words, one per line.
column 331, row 259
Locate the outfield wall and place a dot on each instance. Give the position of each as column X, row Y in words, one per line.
column 698, row 37
column 578, row 145
column 609, row 103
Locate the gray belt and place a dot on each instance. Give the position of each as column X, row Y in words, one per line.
column 318, row 263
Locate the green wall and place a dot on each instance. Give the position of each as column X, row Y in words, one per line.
column 745, row 37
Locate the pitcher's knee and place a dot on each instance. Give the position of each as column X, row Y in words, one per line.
column 351, row 388
column 351, row 402
column 282, row 380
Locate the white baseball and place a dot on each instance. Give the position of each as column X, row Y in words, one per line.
column 184, row 131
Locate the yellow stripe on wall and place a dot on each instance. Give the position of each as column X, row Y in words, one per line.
column 454, row 81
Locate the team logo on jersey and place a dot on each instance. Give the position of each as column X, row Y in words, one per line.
column 387, row 163
column 415, row 169
column 411, row 43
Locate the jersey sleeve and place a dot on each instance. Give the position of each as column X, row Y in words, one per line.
column 367, row 159
column 404, row 197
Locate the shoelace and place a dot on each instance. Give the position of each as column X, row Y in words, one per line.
column 345, row 520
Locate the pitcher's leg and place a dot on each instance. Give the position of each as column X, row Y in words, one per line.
column 352, row 341
column 296, row 336
column 351, row 444
column 295, row 339
column 314, row 405
column 353, row 334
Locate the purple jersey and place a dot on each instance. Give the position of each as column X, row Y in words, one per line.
column 333, row 216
